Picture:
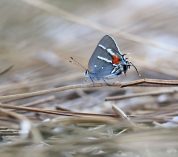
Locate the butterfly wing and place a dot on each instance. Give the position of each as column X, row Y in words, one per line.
column 100, row 68
column 109, row 42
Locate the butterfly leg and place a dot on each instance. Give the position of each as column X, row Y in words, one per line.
column 92, row 81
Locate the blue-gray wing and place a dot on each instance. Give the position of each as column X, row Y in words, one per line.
column 98, row 66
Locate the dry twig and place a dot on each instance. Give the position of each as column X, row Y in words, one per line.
column 140, row 82
column 173, row 91
column 55, row 112
column 121, row 113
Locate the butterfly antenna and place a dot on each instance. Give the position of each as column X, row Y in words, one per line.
column 135, row 69
column 76, row 62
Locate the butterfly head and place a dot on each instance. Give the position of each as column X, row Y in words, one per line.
column 125, row 64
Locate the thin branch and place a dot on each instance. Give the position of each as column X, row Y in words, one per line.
column 140, row 82
column 121, row 113
column 111, row 98
column 37, row 102
column 54, row 112
column 150, row 83
column 147, row 118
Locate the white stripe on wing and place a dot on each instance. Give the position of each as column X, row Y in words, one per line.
column 104, row 59
column 103, row 47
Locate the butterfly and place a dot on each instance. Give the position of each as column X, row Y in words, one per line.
column 107, row 61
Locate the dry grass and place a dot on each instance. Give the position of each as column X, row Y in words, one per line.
column 48, row 109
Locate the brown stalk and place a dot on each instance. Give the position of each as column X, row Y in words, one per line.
column 111, row 98
column 55, row 112
column 140, row 82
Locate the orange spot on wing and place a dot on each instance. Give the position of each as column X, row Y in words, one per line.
column 115, row 59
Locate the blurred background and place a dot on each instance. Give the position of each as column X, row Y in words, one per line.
column 41, row 36
column 38, row 37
